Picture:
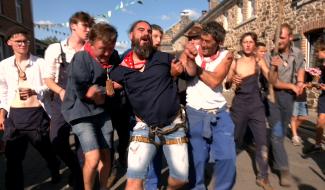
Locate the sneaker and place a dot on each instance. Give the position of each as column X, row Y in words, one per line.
column 264, row 183
column 313, row 149
column 296, row 140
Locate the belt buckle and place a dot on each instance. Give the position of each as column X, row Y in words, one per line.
column 213, row 111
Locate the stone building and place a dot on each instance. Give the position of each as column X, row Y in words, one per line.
column 169, row 35
column 307, row 17
column 15, row 13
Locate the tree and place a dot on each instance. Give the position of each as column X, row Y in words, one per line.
column 50, row 40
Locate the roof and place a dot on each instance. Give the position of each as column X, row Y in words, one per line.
column 204, row 18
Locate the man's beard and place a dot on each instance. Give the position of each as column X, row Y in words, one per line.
column 143, row 51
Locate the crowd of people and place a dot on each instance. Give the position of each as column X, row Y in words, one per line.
column 84, row 88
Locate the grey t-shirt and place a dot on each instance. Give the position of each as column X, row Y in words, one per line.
column 294, row 59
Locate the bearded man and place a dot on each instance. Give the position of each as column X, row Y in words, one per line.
column 147, row 77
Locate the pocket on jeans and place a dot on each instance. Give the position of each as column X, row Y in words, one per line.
column 223, row 146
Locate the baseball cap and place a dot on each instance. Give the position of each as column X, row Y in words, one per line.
column 195, row 31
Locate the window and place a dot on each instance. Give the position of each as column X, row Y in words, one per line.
column 225, row 21
column 311, row 54
column 311, row 39
column 240, row 17
column 250, row 8
column 19, row 11
column 2, row 56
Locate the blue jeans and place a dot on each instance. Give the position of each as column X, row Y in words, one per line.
column 141, row 154
column 279, row 118
column 94, row 132
column 154, row 171
column 218, row 147
column 300, row 109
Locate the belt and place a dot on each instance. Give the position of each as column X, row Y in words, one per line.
column 179, row 140
column 213, row 110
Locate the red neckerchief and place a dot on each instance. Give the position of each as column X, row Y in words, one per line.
column 129, row 62
column 87, row 48
column 207, row 60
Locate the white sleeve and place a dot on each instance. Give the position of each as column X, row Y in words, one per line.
column 3, row 89
column 42, row 89
column 52, row 54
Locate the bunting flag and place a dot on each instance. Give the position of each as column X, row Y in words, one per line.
column 53, row 27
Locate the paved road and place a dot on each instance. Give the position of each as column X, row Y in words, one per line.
column 308, row 173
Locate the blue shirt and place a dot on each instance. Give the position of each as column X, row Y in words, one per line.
column 152, row 93
column 83, row 72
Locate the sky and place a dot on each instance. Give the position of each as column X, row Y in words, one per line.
column 51, row 16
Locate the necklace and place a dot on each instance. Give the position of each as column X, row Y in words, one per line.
column 21, row 73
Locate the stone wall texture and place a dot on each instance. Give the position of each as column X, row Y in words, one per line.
column 303, row 18
column 303, row 15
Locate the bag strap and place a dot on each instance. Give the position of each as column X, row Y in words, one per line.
column 62, row 54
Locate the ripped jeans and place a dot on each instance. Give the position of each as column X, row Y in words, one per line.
column 141, row 154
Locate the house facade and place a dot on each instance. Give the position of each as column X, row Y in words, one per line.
column 307, row 17
column 15, row 13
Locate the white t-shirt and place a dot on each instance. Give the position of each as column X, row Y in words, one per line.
column 201, row 96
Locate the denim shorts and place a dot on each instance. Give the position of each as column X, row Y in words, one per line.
column 300, row 109
column 141, row 154
column 94, row 132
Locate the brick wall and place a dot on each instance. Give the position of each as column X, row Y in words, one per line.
column 8, row 19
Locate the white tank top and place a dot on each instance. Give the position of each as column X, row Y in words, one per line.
column 201, row 96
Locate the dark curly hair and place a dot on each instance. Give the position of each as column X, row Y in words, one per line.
column 215, row 29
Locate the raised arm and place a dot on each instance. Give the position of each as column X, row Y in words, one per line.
column 186, row 62
column 188, row 59
column 215, row 78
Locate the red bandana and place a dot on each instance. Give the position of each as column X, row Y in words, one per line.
column 129, row 62
column 206, row 60
column 87, row 48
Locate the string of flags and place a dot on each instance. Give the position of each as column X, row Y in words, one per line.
column 119, row 7
column 57, row 28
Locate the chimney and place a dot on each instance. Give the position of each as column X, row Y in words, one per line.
column 184, row 17
column 213, row 3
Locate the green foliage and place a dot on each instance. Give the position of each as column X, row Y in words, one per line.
column 50, row 40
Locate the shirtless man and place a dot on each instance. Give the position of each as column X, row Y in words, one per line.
column 23, row 100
